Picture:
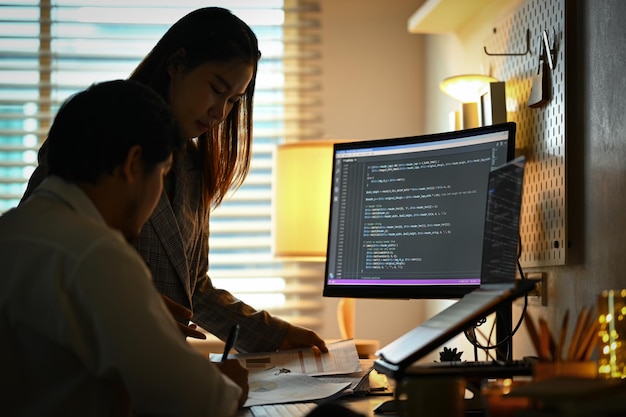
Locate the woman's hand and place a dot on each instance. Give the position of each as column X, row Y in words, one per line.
column 298, row 337
column 179, row 311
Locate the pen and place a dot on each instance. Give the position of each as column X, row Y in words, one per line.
column 230, row 342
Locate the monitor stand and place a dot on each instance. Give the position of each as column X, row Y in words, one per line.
column 504, row 341
column 504, row 326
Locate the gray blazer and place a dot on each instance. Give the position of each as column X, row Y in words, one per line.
column 174, row 242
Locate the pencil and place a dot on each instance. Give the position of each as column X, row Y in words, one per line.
column 588, row 335
column 591, row 347
column 544, row 340
column 532, row 332
column 573, row 344
column 230, row 342
column 559, row 346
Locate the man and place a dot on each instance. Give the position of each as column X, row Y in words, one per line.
column 83, row 330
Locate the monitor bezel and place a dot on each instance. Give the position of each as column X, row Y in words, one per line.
column 421, row 291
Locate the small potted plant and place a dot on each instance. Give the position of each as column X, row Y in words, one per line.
column 449, row 355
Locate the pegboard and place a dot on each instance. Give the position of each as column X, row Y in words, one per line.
column 512, row 52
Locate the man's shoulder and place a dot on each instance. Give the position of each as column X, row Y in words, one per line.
column 49, row 222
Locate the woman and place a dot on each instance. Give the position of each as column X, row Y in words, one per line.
column 205, row 67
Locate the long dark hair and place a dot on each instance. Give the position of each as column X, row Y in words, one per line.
column 211, row 34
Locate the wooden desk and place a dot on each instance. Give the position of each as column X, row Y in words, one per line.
column 362, row 405
column 366, row 405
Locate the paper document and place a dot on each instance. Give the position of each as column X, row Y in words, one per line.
column 364, row 382
column 342, row 358
column 272, row 386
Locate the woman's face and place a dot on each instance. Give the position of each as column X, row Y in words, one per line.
column 202, row 97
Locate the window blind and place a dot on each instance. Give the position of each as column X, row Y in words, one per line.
column 50, row 49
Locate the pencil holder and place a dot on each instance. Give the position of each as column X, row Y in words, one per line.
column 567, row 369
column 435, row 396
column 496, row 399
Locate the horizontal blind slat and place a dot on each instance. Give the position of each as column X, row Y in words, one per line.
column 88, row 47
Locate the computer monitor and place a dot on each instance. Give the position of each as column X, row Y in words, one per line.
column 407, row 215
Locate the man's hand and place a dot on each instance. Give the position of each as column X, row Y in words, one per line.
column 233, row 369
column 298, row 337
column 182, row 312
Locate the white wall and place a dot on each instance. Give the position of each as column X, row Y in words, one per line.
column 372, row 70
column 454, row 54
column 373, row 88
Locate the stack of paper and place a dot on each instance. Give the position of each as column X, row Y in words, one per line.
column 294, row 375
column 275, row 387
column 342, row 358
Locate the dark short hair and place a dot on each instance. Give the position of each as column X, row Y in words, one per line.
column 94, row 130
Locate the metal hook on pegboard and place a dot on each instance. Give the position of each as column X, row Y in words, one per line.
column 548, row 49
column 512, row 53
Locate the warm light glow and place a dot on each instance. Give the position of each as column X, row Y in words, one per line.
column 507, row 385
column 301, row 202
column 612, row 355
column 301, row 198
column 466, row 88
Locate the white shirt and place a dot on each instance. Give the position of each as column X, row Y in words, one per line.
column 82, row 329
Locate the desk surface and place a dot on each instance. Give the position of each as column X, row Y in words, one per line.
column 364, row 405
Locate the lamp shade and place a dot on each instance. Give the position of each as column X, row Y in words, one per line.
column 301, row 198
column 466, row 88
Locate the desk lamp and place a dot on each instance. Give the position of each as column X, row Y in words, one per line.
column 467, row 89
column 300, row 210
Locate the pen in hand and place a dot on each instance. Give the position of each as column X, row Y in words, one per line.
column 230, row 342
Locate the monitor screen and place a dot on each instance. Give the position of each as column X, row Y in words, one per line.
column 407, row 215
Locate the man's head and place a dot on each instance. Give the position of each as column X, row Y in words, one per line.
column 115, row 141
column 94, row 130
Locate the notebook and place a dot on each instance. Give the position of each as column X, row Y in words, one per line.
column 498, row 283
column 283, row 410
